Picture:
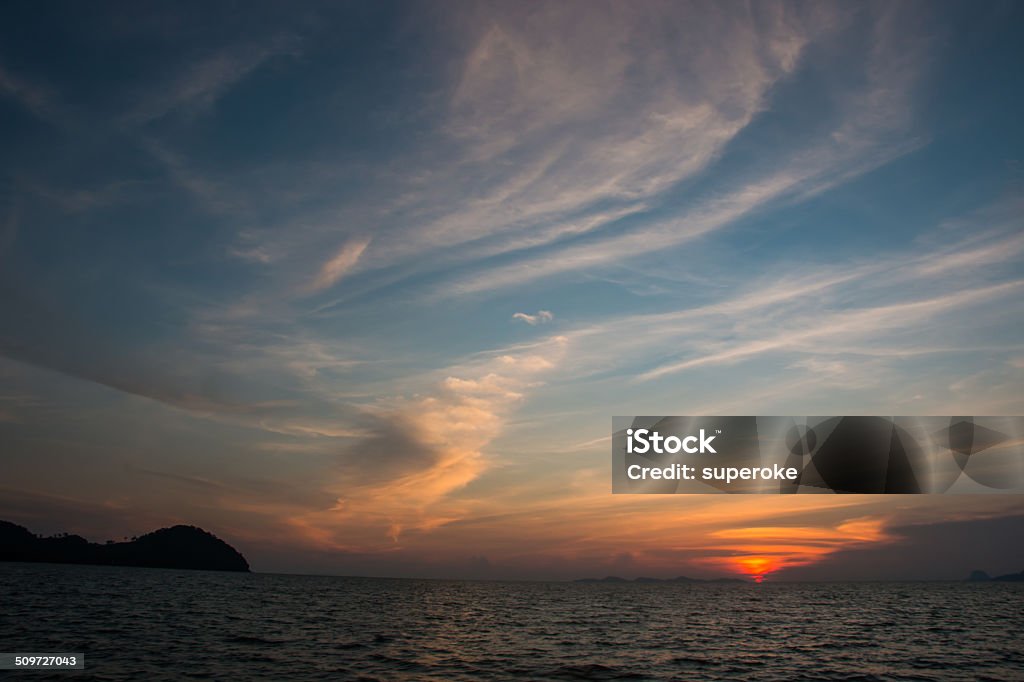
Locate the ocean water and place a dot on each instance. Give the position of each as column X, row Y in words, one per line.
column 152, row 624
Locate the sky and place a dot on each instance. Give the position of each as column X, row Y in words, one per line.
column 359, row 286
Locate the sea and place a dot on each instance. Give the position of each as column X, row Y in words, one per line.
column 155, row 624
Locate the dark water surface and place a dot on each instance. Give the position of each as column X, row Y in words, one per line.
column 145, row 624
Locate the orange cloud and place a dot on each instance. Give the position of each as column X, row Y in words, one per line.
column 434, row 446
column 761, row 551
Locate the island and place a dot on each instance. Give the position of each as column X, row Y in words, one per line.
column 175, row 547
column 983, row 577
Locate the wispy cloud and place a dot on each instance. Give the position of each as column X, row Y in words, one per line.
column 547, row 138
column 38, row 99
column 340, row 264
column 846, row 326
column 761, row 551
column 860, row 141
column 541, row 317
column 568, row 176
column 419, row 449
column 877, row 307
column 199, row 85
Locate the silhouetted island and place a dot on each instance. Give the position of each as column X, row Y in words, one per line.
column 175, row 547
column 678, row 579
column 983, row 577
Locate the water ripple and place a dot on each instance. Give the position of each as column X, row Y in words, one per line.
column 164, row 625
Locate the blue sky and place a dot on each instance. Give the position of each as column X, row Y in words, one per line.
column 355, row 281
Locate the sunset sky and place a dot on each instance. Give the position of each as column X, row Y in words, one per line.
column 359, row 286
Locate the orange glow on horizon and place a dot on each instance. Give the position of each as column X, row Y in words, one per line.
column 758, row 552
column 750, row 538
column 757, row 567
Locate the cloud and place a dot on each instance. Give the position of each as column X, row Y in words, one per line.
column 562, row 125
column 81, row 200
column 339, row 265
column 214, row 194
column 559, row 157
column 419, row 450
column 796, row 179
column 36, row 98
column 929, row 549
column 541, row 317
column 963, row 258
column 199, row 85
column 243, row 377
column 822, row 315
column 590, row 169
column 712, row 215
column 759, row 551
column 845, row 326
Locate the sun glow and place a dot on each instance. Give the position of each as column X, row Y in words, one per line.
column 757, row 567
column 759, row 551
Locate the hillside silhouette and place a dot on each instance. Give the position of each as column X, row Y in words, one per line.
column 176, row 547
column 983, row 577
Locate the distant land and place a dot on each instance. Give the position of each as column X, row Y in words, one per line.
column 678, row 579
column 175, row 547
column 983, row 577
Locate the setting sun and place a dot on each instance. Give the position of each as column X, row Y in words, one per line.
column 757, row 567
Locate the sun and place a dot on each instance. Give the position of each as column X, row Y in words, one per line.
column 757, row 567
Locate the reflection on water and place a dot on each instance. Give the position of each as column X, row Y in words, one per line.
column 163, row 624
